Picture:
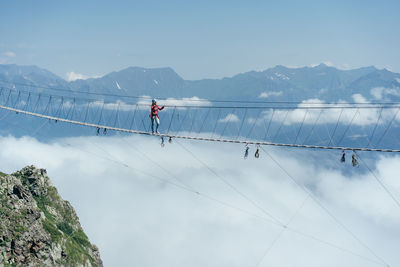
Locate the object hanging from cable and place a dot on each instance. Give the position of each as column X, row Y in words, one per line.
column 246, row 152
column 343, row 158
column 162, row 141
column 98, row 130
column 170, row 140
column 354, row 160
column 105, row 131
column 257, row 154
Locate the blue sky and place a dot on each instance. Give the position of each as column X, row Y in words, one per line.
column 206, row 39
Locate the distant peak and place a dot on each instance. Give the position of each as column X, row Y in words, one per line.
column 322, row 65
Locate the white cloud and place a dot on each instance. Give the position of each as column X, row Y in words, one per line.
column 171, row 102
column 9, row 54
column 6, row 56
column 398, row 80
column 154, row 223
column 363, row 117
column 380, row 92
column 72, row 76
column 229, row 118
column 270, row 93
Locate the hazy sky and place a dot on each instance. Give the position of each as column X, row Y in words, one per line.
column 198, row 39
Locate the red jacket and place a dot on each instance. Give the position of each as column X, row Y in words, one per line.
column 155, row 109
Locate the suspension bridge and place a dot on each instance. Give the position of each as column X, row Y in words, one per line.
column 315, row 125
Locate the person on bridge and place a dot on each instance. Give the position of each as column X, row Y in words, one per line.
column 154, row 115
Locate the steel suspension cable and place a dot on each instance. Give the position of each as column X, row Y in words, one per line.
column 376, row 125
column 304, row 118
column 229, row 184
column 327, row 211
column 313, row 127
column 334, row 131
column 387, row 128
column 348, row 127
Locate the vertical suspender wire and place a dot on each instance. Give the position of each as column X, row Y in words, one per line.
column 51, row 108
column 269, row 124
column 313, row 127
column 3, row 96
column 87, row 111
column 387, row 128
column 298, row 133
column 101, row 113
column 37, row 103
column 172, row 117
column 183, row 120
column 144, row 126
column 133, row 118
column 376, row 125
column 227, row 122
column 241, row 124
column 216, row 122
column 60, row 107
column 329, row 134
column 48, row 106
column 71, row 109
column 119, row 121
column 1, row 93
column 395, row 138
column 334, row 131
column 27, row 103
column 280, row 126
column 193, row 120
column 348, row 126
column 116, row 115
column 8, row 98
column 5, row 111
column 254, row 124
column 205, row 119
column 16, row 101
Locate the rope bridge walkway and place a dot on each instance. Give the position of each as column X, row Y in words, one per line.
column 267, row 124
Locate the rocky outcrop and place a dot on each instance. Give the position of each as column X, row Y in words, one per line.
column 37, row 227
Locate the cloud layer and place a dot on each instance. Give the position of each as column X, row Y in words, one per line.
column 73, row 76
column 359, row 117
column 128, row 194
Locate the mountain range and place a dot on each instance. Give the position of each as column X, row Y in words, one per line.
column 274, row 84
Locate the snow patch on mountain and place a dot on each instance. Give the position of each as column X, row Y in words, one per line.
column 281, row 76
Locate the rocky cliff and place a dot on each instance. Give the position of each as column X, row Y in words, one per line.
column 38, row 227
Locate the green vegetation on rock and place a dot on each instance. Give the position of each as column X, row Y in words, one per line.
column 34, row 218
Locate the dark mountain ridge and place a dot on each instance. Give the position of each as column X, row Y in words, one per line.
column 275, row 84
